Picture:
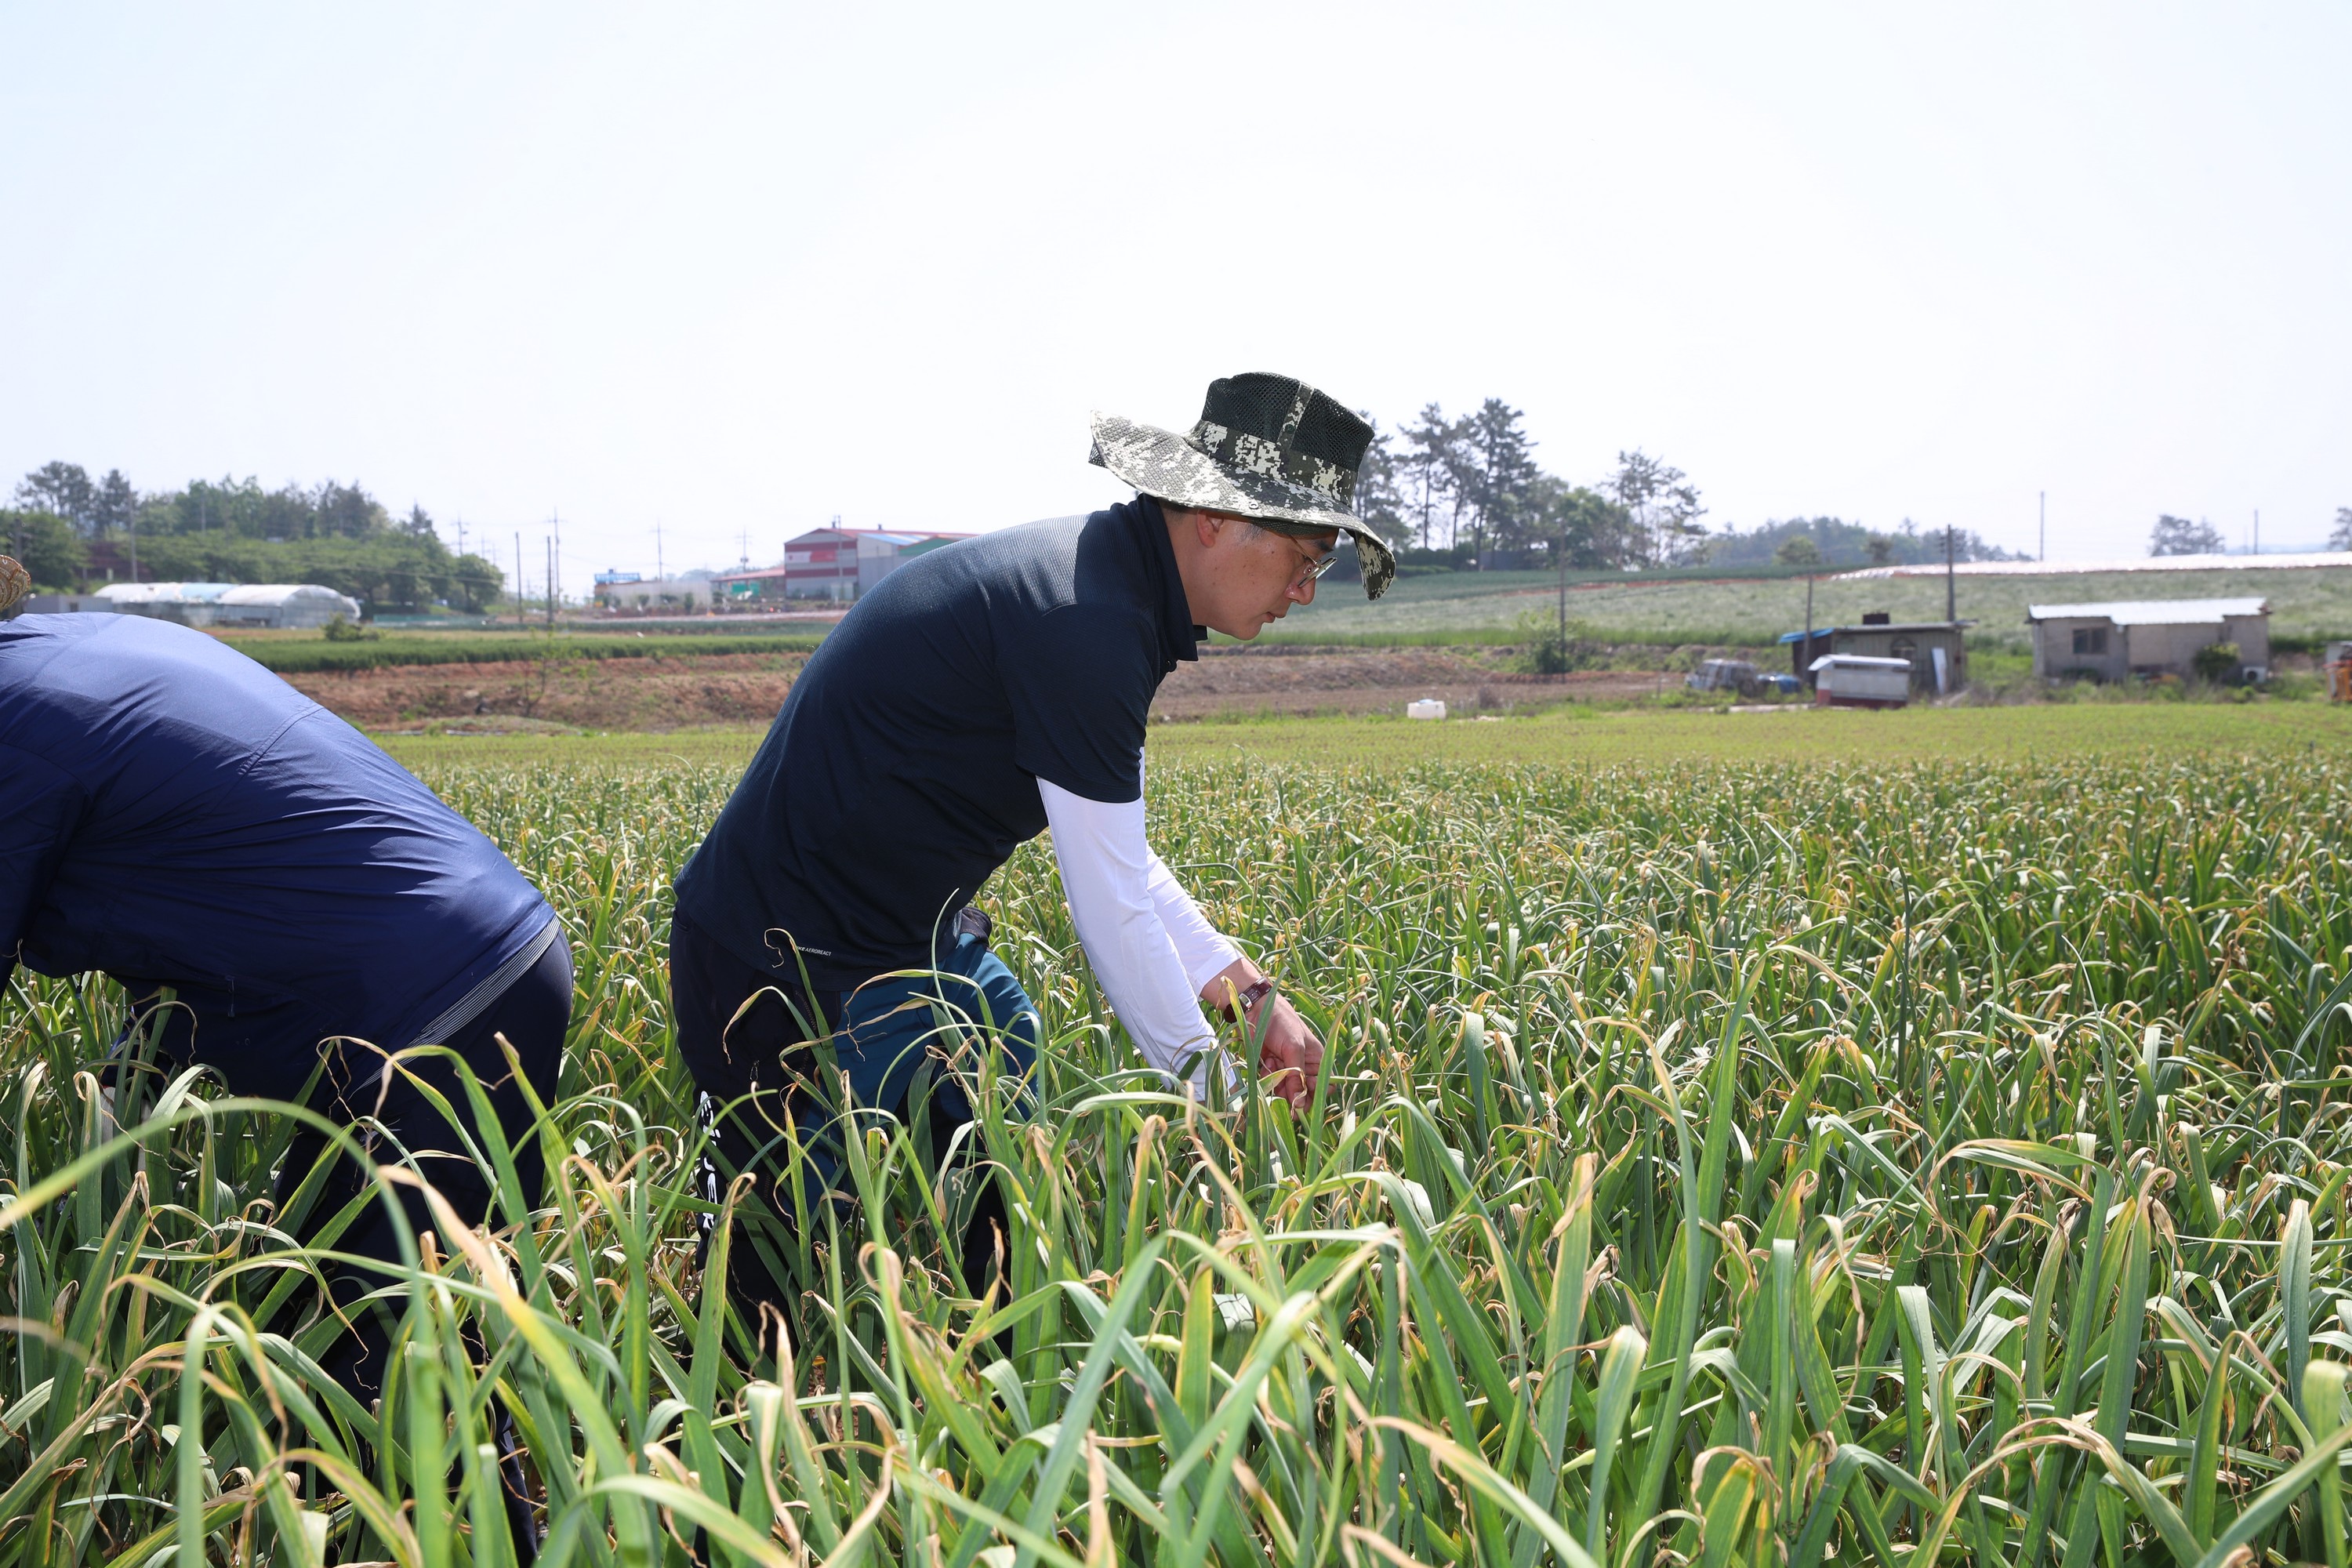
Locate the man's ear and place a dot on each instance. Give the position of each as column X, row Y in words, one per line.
column 1206, row 526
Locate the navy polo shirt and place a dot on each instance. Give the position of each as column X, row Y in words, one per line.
column 903, row 770
column 172, row 813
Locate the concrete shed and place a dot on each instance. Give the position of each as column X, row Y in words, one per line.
column 2127, row 637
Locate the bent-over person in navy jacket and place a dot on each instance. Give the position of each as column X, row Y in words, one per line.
column 270, row 888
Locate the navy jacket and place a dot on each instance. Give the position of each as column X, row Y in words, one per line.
column 903, row 770
column 174, row 814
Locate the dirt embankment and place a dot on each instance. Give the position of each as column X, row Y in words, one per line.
column 1364, row 680
column 681, row 691
column 664, row 693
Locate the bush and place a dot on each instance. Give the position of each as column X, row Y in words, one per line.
column 1547, row 652
column 341, row 630
column 2216, row 662
column 2295, row 685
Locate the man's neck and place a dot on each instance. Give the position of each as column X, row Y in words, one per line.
column 1184, row 543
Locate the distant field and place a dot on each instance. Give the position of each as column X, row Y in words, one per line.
column 2308, row 603
column 1459, row 607
column 1580, row 737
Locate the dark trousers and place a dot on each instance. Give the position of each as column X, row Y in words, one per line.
column 398, row 1115
column 748, row 1035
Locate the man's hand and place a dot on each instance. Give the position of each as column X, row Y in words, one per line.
column 1291, row 1059
column 1291, row 1054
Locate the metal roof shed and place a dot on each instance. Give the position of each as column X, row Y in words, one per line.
column 1936, row 650
column 2123, row 637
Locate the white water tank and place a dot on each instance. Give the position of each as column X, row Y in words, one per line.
column 1426, row 708
column 1852, row 681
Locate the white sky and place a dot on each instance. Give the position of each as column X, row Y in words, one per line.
column 738, row 269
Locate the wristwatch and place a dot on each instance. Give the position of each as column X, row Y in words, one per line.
column 1252, row 994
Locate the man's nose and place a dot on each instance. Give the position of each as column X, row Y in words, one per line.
column 1304, row 592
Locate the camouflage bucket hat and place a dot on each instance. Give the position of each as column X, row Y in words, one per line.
column 14, row 584
column 1267, row 448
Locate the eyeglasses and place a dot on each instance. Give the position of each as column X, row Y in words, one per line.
column 1313, row 566
column 1317, row 565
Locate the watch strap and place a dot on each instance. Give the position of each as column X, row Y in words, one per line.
column 1252, row 994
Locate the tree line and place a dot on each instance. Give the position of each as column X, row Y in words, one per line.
column 73, row 533
column 2178, row 536
column 1465, row 492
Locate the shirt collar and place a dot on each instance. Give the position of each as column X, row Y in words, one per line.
column 1179, row 637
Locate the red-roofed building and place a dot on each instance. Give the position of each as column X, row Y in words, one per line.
column 838, row 564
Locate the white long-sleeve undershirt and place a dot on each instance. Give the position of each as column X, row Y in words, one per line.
column 1151, row 946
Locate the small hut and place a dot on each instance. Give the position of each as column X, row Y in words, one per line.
column 1938, row 650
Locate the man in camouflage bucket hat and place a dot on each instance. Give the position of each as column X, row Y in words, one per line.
column 978, row 695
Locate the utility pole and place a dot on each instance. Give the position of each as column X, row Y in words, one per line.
column 555, row 572
column 518, row 582
column 1951, row 597
column 1560, row 548
column 2042, row 551
column 659, row 575
column 1808, row 644
column 2258, row 530
column 550, row 585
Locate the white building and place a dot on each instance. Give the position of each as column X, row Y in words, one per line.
column 2146, row 636
column 653, row 595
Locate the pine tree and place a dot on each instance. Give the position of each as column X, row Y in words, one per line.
column 1499, row 462
column 1380, row 500
column 1429, row 464
column 1664, row 509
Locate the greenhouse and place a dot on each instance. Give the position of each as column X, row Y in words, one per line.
column 230, row 604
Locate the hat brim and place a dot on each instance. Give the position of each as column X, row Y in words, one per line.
column 16, row 583
column 1164, row 465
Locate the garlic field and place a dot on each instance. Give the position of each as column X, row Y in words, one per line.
column 1871, row 1161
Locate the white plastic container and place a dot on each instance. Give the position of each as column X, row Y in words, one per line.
column 1426, row 708
column 1851, row 680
